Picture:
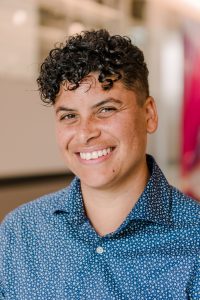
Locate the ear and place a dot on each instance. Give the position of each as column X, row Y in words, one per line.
column 151, row 115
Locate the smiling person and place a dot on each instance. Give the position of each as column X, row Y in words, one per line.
column 119, row 231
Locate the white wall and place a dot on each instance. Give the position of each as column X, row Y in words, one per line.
column 27, row 135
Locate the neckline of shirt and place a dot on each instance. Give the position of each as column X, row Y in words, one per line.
column 153, row 205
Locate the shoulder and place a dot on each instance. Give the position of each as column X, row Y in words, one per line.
column 39, row 215
column 33, row 211
column 184, row 208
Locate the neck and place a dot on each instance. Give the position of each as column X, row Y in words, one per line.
column 108, row 208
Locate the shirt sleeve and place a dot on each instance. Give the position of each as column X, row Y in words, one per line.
column 5, row 238
column 1, row 264
column 1, row 293
column 194, row 285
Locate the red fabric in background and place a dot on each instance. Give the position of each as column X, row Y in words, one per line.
column 191, row 111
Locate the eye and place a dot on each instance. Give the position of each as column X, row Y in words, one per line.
column 69, row 118
column 107, row 111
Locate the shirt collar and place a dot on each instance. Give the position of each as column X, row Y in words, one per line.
column 70, row 201
column 153, row 205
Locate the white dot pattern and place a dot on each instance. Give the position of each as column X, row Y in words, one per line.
column 49, row 250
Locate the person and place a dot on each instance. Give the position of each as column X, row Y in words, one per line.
column 119, row 231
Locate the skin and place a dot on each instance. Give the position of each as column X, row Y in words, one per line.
column 91, row 119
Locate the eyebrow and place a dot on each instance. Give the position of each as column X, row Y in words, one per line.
column 108, row 100
column 63, row 108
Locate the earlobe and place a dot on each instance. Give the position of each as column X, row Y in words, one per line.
column 151, row 115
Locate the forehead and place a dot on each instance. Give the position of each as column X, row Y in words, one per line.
column 91, row 89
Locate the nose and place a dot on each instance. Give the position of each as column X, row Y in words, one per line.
column 88, row 130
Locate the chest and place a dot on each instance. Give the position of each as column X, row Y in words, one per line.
column 72, row 265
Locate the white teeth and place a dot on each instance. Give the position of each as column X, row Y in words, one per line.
column 100, row 153
column 94, row 154
column 82, row 155
column 88, row 156
column 104, row 151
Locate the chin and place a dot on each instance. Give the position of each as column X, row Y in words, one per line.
column 96, row 182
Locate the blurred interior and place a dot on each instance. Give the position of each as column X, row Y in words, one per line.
column 30, row 163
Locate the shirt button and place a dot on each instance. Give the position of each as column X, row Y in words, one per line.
column 99, row 250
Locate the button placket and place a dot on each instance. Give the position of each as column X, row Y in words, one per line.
column 100, row 250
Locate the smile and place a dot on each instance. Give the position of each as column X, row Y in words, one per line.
column 95, row 154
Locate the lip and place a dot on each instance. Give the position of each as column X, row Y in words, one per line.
column 95, row 160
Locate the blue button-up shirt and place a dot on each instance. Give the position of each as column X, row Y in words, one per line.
column 49, row 250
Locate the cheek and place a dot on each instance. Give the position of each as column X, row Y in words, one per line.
column 133, row 132
column 63, row 137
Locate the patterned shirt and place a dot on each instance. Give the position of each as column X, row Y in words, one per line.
column 49, row 250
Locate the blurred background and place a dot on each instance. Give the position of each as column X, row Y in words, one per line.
column 168, row 32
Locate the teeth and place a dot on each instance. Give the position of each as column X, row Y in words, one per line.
column 94, row 154
column 87, row 156
column 100, row 153
column 104, row 151
column 82, row 155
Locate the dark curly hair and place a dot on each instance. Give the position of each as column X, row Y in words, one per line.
column 114, row 57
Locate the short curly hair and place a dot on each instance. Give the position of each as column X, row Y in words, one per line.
column 114, row 57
